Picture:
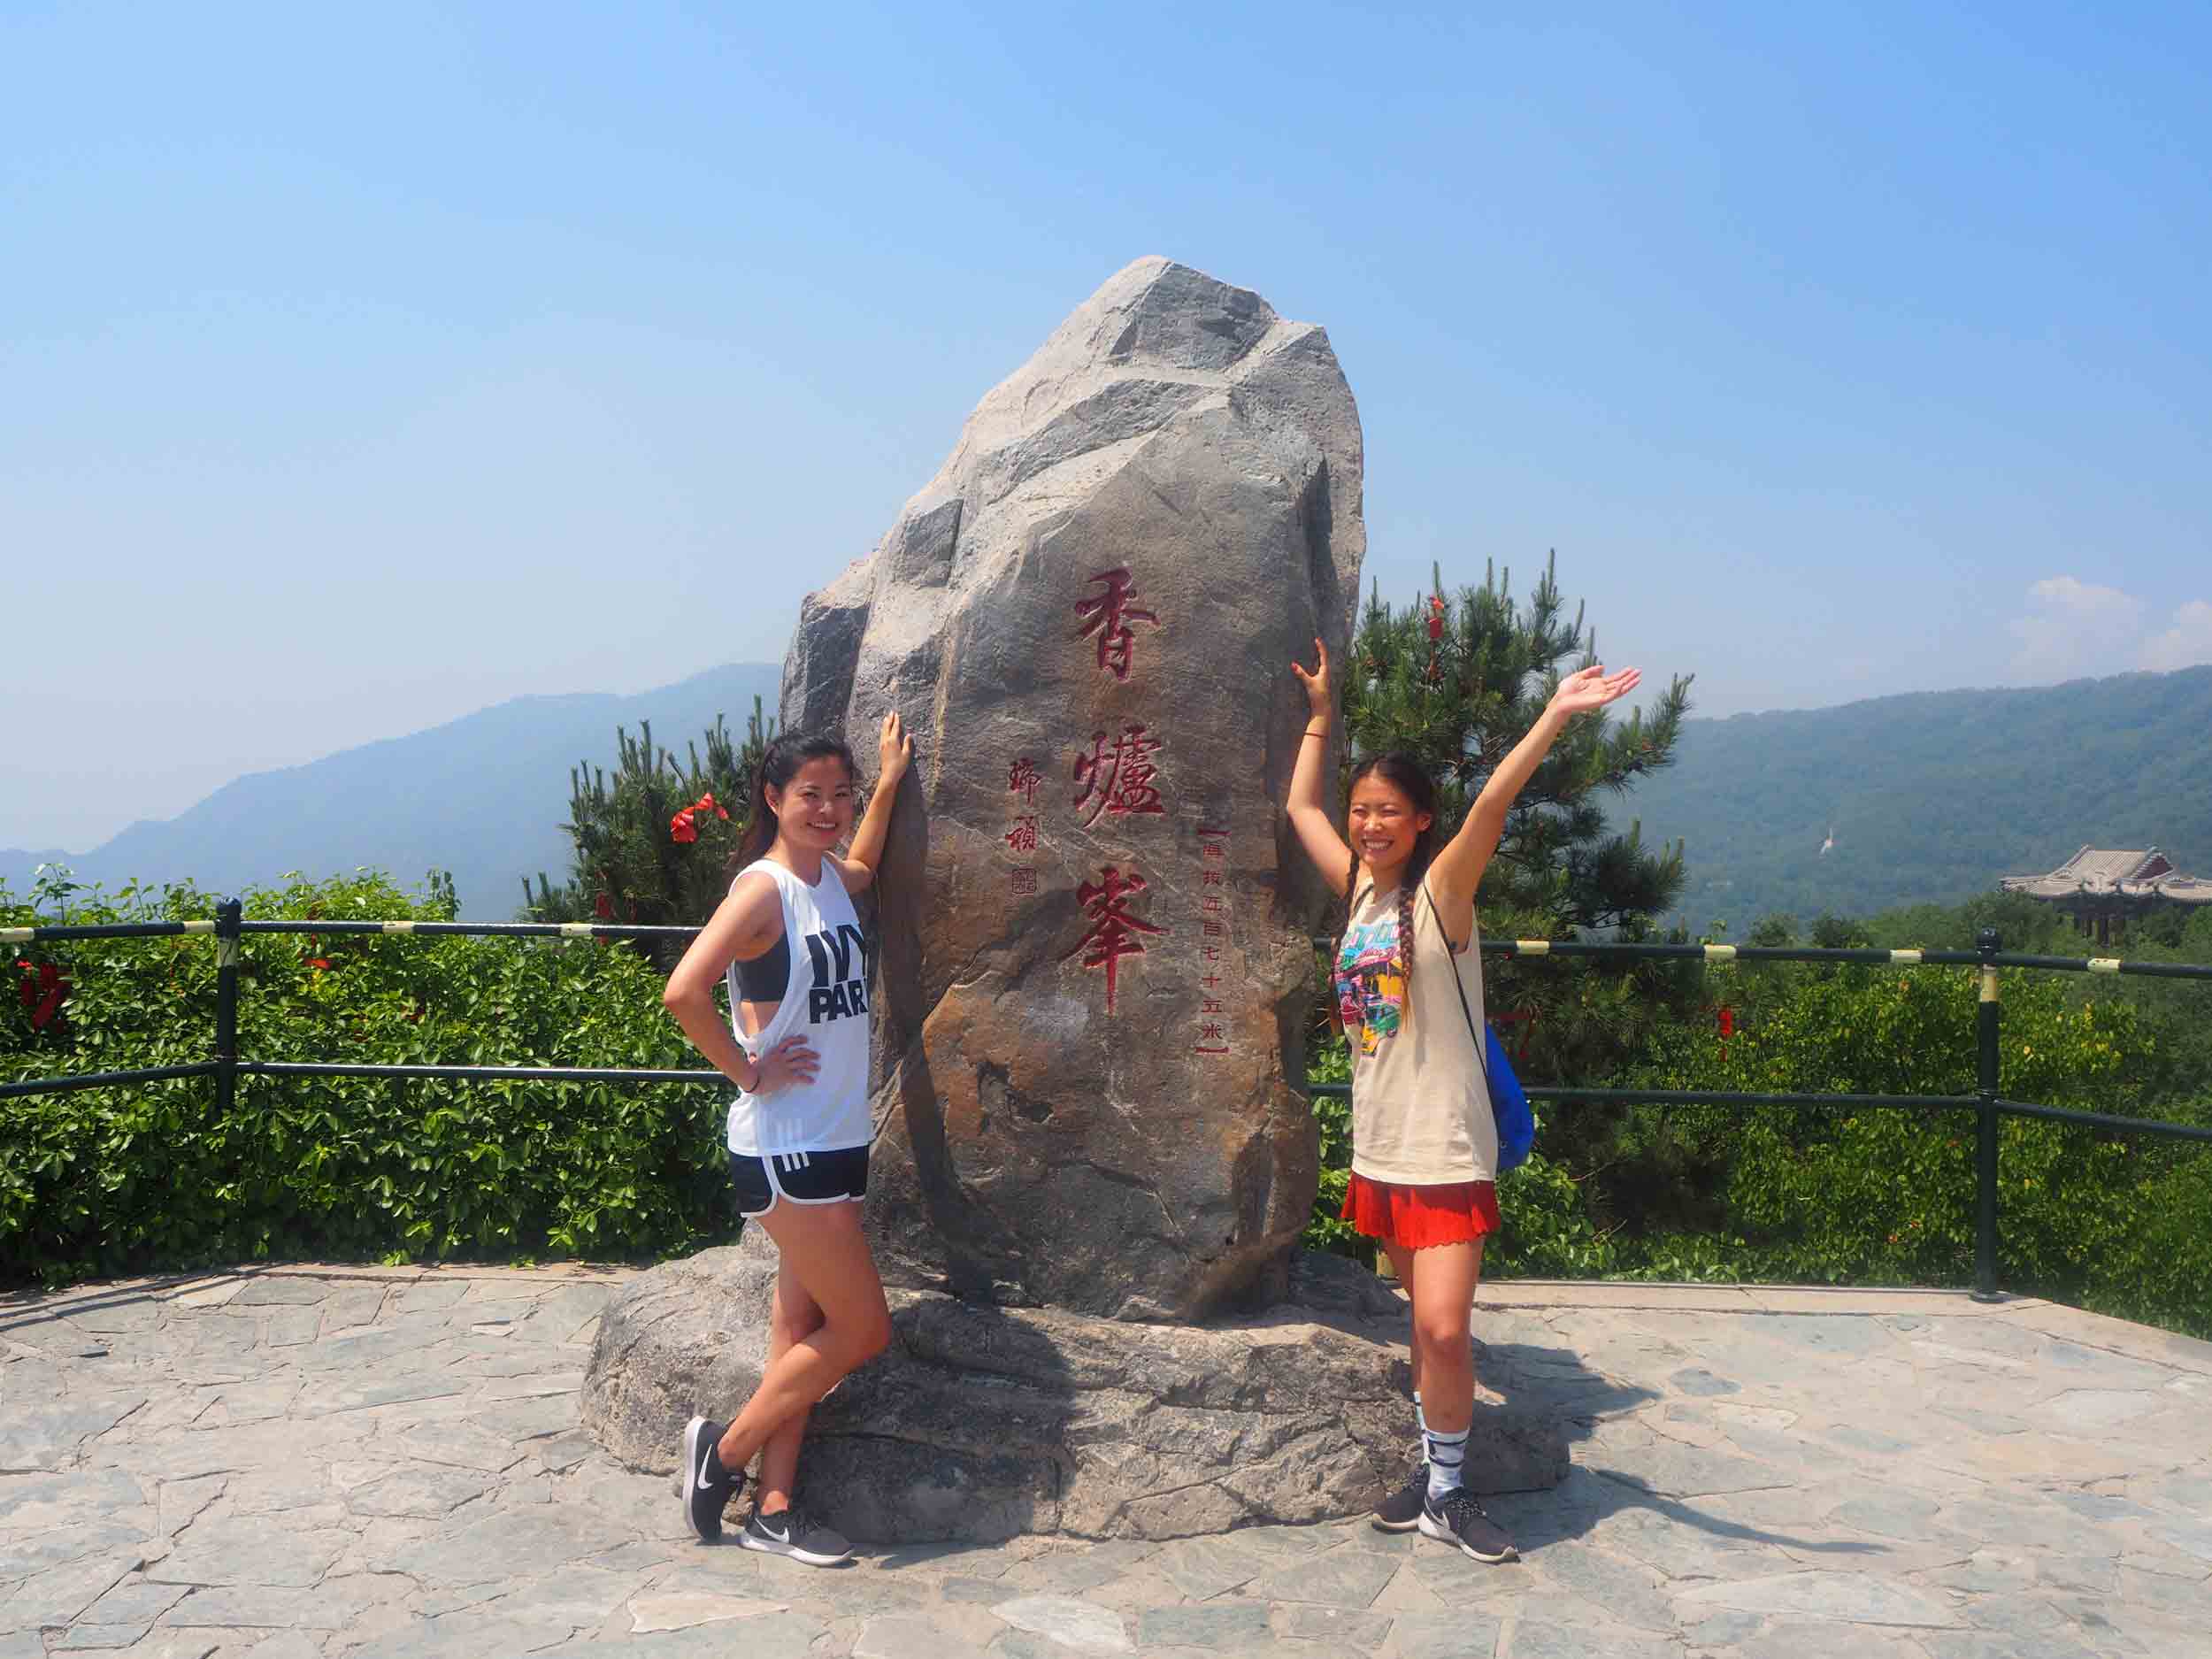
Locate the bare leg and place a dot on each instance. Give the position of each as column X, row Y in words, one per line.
column 796, row 1316
column 1401, row 1269
column 1442, row 1283
column 822, row 1247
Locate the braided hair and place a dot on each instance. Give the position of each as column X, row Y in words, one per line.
column 1406, row 774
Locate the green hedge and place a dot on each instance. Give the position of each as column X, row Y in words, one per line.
column 118, row 1181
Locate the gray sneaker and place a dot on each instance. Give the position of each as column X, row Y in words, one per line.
column 707, row 1484
column 795, row 1533
column 1401, row 1511
column 1457, row 1518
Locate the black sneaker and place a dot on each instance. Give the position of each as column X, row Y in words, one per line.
column 707, row 1484
column 1457, row 1518
column 795, row 1533
column 1401, row 1511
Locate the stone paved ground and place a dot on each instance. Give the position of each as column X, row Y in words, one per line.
column 303, row 1462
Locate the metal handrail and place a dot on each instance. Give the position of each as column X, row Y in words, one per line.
column 229, row 927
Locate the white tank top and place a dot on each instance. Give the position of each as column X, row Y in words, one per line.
column 826, row 1000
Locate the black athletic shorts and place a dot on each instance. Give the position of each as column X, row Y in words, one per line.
column 805, row 1178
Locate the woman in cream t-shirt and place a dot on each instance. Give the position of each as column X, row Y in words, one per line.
column 1408, row 988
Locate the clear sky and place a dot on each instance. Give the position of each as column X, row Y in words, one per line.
column 363, row 366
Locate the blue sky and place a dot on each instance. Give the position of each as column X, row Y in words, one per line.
column 365, row 370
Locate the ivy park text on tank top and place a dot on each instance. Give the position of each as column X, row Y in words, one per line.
column 826, row 1000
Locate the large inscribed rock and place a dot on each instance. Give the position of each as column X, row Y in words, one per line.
column 1094, row 958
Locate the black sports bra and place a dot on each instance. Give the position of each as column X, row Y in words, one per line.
column 767, row 976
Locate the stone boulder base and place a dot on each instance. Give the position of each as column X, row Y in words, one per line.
column 981, row 1423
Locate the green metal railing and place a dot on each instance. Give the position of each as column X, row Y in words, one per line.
column 1987, row 1103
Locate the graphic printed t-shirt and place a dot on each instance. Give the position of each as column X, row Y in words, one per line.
column 826, row 1000
column 1420, row 1108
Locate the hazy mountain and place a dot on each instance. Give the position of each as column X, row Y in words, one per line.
column 483, row 796
column 1931, row 796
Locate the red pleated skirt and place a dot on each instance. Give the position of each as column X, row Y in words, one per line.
column 1414, row 1217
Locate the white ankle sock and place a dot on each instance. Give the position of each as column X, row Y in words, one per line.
column 1421, row 1425
column 1447, row 1452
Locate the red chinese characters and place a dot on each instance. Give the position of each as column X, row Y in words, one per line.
column 1025, row 835
column 1120, row 779
column 1113, row 930
column 1107, row 614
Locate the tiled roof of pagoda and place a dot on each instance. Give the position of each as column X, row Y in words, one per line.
column 2104, row 872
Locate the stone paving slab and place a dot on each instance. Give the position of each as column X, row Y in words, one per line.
column 348, row 1462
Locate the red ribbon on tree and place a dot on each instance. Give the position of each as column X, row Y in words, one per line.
column 42, row 989
column 1436, row 618
column 1727, row 1021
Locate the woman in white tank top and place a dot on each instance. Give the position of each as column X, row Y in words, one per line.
column 790, row 945
column 1408, row 980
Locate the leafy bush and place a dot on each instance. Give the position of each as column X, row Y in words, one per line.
column 1887, row 1195
column 122, row 1179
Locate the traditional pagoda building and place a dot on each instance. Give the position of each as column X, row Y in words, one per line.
column 2101, row 889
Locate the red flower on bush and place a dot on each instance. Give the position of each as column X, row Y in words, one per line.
column 1436, row 618
column 682, row 830
column 708, row 803
column 1727, row 1020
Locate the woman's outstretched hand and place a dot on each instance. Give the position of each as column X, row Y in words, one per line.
column 1593, row 688
column 895, row 749
column 1320, row 696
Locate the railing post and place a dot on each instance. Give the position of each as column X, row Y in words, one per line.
column 1985, row 1123
column 226, row 936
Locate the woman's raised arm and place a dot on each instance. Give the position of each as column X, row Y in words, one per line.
column 1458, row 871
column 895, row 751
column 1309, row 813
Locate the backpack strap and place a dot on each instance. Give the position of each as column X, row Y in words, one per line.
column 1482, row 1057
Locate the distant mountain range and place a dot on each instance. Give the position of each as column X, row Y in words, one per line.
column 483, row 796
column 1931, row 796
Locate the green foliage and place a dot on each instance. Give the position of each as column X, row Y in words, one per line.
column 123, row 1179
column 632, row 862
column 1331, row 1062
column 1459, row 702
column 1887, row 1195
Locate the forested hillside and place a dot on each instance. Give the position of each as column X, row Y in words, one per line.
column 1931, row 796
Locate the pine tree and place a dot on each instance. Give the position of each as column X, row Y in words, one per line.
column 1456, row 681
column 652, row 841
